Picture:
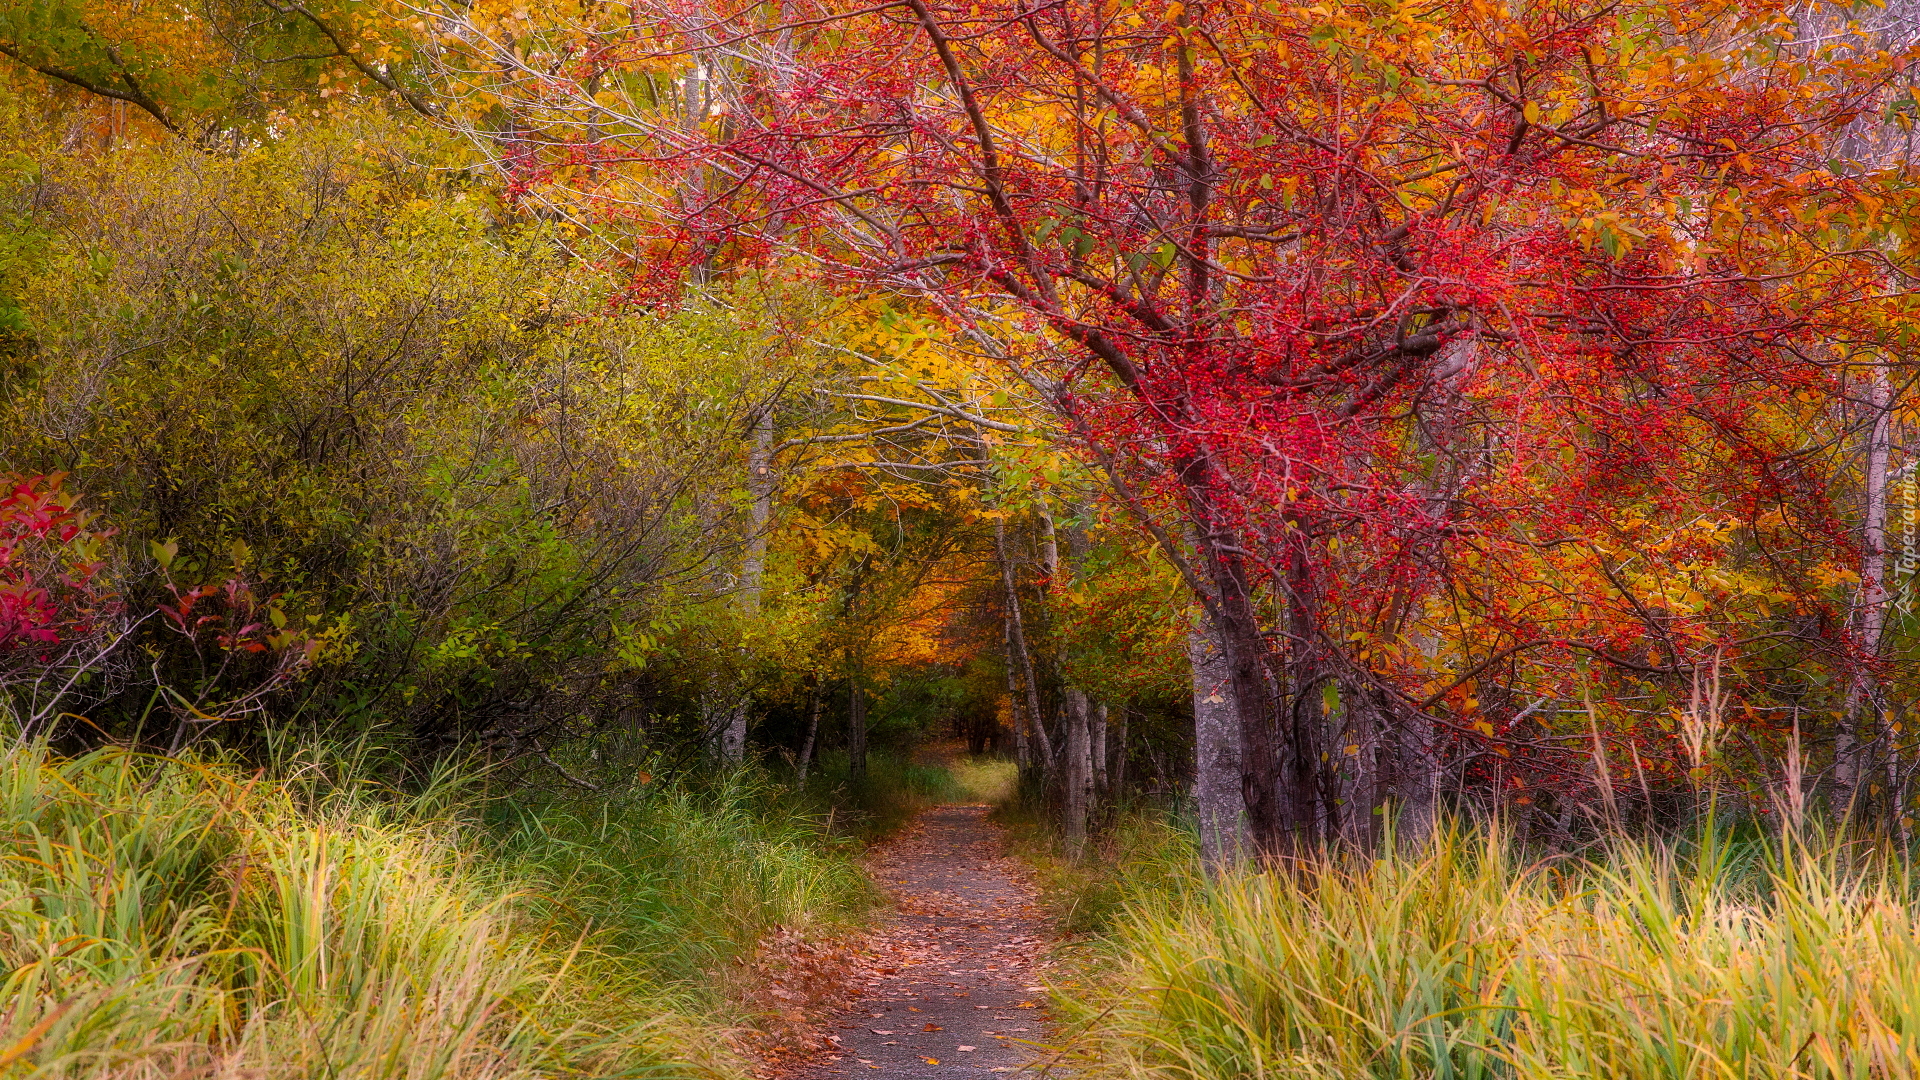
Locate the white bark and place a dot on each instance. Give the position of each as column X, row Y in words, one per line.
column 813, row 731
column 1860, row 727
column 1022, row 751
column 1018, row 639
column 753, row 564
column 1077, row 773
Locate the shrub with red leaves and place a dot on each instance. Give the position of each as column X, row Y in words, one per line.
column 50, row 562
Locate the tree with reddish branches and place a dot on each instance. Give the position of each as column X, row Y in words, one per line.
column 1316, row 287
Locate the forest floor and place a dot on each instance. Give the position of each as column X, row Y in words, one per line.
column 948, row 985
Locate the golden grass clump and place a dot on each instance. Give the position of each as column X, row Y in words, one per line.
column 169, row 919
column 1703, row 961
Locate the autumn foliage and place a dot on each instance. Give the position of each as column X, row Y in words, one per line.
column 50, row 562
column 1509, row 394
column 1374, row 315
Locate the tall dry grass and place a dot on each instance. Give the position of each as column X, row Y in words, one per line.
column 1653, row 960
column 184, row 920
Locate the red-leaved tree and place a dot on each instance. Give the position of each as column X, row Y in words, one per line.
column 1317, row 286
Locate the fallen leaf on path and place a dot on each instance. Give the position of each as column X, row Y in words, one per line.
column 964, row 1049
column 877, row 1031
column 933, row 1027
column 931, row 1061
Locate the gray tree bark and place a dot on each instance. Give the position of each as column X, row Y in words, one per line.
column 1217, row 793
column 753, row 565
column 813, row 727
column 1022, row 748
column 1077, row 773
column 1018, row 639
column 1416, row 780
column 1861, row 721
column 1102, row 785
column 856, row 729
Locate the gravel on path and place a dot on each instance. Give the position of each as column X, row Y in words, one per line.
column 954, row 994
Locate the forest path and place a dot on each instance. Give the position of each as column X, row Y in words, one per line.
column 954, row 993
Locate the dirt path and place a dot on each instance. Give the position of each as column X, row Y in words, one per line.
column 954, row 992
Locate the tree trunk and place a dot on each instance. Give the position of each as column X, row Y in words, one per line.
column 1022, row 752
column 813, row 727
column 1416, row 781
column 1018, row 624
column 856, row 729
column 1117, row 771
column 753, row 564
column 1277, row 777
column 1077, row 773
column 1050, row 547
column 1859, row 734
column 1217, row 795
column 1271, row 789
column 1357, row 753
column 1101, row 785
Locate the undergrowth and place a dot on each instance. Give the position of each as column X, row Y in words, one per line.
column 896, row 788
column 1469, row 959
column 1141, row 851
column 166, row 918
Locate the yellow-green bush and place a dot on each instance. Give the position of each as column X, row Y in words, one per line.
column 338, row 369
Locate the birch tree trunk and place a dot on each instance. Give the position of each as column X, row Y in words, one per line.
column 1078, row 769
column 1018, row 625
column 1022, row 749
column 753, row 565
column 1077, row 773
column 813, row 727
column 1860, row 727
